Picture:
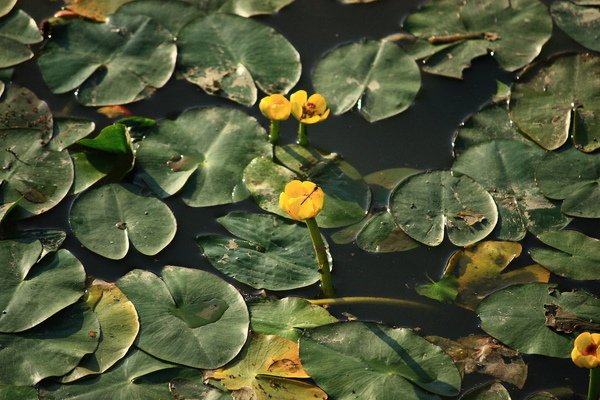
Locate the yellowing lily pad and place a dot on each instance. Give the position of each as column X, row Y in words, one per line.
column 269, row 368
column 97, row 10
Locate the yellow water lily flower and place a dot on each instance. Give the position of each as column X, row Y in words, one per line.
column 586, row 350
column 275, row 107
column 309, row 110
column 302, row 200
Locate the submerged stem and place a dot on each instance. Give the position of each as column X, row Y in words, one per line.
column 302, row 134
column 274, row 132
column 594, row 385
column 321, row 252
column 368, row 300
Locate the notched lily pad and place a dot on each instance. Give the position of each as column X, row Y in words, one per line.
column 17, row 31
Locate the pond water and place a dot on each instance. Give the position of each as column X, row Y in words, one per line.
column 420, row 138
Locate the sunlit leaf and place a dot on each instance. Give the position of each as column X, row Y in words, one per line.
column 506, row 168
column 574, row 177
column 119, row 323
column 17, row 31
column 580, row 21
column 396, row 363
column 6, row 6
column 67, row 131
column 426, row 203
column 555, row 100
column 516, row 316
column 488, row 391
column 132, row 56
column 32, row 291
column 189, row 317
column 445, row 290
column 107, row 218
column 574, row 255
column 268, row 251
column 377, row 74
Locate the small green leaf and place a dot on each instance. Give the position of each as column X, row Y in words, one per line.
column 444, row 290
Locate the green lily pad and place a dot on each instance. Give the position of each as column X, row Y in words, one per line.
column 50, row 239
column 6, row 6
column 510, row 312
column 17, row 31
column 574, row 177
column 189, row 317
column 558, row 99
column 195, row 389
column 454, row 32
column 488, row 391
column 119, row 322
column 287, row 317
column 229, row 56
column 52, row 348
column 378, row 74
column 132, row 56
column 105, row 219
column 21, row 108
column 204, row 151
column 426, row 203
column 9, row 392
column 6, row 208
column 580, row 21
column 68, row 131
column 506, row 169
column 265, row 370
column 268, row 252
column 574, row 255
column 32, row 291
column 137, row 376
column 396, row 364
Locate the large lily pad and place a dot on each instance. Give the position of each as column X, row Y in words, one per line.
column 580, row 21
column 189, row 317
column 265, row 370
column 575, row 177
column 21, row 108
column 287, row 317
column 119, row 322
column 105, row 219
column 558, row 99
column 424, row 204
column 132, row 56
column 574, row 254
column 32, row 291
column 230, row 56
column 268, row 252
column 506, row 169
column 396, row 364
column 516, row 317
column 204, row 151
column 377, row 74
column 52, row 348
column 17, row 31
column 455, row 31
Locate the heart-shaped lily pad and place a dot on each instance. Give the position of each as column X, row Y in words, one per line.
column 132, row 56
column 396, row 364
column 230, row 56
column 426, row 203
column 189, row 317
column 268, row 252
column 17, row 31
column 377, row 74
column 32, row 291
column 105, row 219
column 204, row 151
column 580, row 21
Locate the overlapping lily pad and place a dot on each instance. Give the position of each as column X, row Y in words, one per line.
column 204, row 151
column 506, row 169
column 378, row 75
column 189, row 317
column 33, row 290
column 132, row 56
column 574, row 177
column 107, row 218
column 22, row 109
column 579, row 20
column 518, row 309
column 68, row 131
column 426, row 203
column 230, row 56
column 451, row 33
column 555, row 100
column 17, row 31
column 396, row 364
column 268, row 252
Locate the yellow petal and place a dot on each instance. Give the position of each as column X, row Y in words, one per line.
column 582, row 341
column 325, row 114
column 311, row 120
column 308, row 187
column 294, row 189
column 264, row 105
column 319, row 102
column 275, row 107
column 299, row 97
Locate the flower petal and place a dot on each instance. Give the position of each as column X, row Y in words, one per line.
column 319, row 102
column 299, row 97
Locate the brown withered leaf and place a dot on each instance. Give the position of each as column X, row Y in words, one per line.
column 564, row 321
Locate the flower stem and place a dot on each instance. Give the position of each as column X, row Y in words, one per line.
column 321, row 252
column 594, row 385
column 274, row 132
column 369, row 300
column 302, row 135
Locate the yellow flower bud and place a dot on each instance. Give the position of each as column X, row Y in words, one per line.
column 309, row 110
column 275, row 107
column 301, row 200
column 586, row 350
